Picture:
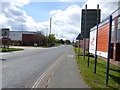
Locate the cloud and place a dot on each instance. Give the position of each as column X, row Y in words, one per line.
column 14, row 17
column 19, row 3
column 66, row 23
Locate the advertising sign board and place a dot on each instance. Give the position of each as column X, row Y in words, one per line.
column 92, row 43
column 5, row 32
column 103, row 37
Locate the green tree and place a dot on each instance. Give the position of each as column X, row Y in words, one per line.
column 51, row 39
column 67, row 42
column 62, row 41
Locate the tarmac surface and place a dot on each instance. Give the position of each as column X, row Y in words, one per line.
column 37, row 67
column 63, row 74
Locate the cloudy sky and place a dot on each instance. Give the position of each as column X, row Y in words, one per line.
column 33, row 15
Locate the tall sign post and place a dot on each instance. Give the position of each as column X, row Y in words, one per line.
column 85, row 31
column 78, row 48
column 109, row 47
column 95, row 61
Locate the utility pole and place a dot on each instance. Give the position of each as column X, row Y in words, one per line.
column 50, row 24
column 46, row 31
column 22, row 33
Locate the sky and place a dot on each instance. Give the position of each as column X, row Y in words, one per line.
column 34, row 15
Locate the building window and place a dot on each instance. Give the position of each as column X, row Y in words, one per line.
column 118, row 30
column 112, row 33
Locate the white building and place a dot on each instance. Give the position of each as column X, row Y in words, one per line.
column 17, row 35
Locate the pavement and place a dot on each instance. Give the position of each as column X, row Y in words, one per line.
column 63, row 74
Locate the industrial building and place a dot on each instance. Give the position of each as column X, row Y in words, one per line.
column 115, row 39
column 25, row 38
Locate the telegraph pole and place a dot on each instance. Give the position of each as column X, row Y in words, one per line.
column 50, row 24
column 22, row 33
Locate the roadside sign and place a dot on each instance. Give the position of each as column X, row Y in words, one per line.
column 92, row 42
column 103, row 38
column 101, row 34
column 5, row 32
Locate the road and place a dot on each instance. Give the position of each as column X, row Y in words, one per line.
column 21, row 69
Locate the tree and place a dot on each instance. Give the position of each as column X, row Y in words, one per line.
column 51, row 39
column 57, row 41
column 62, row 41
column 67, row 42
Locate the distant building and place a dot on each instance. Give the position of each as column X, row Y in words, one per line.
column 17, row 38
column 26, row 38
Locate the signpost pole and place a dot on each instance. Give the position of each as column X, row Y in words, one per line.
column 85, row 32
column 88, row 49
column 109, row 46
column 95, row 61
column 78, row 48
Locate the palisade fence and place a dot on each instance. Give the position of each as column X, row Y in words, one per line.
column 100, row 40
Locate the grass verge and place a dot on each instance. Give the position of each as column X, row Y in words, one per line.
column 98, row 80
column 10, row 49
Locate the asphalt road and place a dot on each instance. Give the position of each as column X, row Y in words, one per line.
column 21, row 69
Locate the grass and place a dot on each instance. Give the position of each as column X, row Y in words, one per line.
column 76, row 50
column 10, row 49
column 98, row 80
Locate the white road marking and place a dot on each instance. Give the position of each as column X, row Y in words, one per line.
column 48, row 71
column 70, row 55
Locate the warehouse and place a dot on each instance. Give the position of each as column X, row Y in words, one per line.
column 24, row 38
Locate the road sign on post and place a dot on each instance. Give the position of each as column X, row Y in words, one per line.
column 5, row 37
column 5, row 33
